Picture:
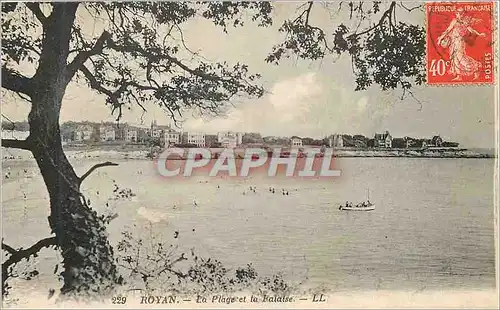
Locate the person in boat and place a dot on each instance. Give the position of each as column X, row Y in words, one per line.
column 369, row 203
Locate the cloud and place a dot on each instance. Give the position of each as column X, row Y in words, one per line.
column 281, row 112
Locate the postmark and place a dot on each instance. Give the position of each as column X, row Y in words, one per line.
column 460, row 43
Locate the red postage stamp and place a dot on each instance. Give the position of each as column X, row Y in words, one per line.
column 460, row 46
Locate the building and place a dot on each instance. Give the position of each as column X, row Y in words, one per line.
column 410, row 142
column 196, row 138
column 336, row 141
column 155, row 131
column 131, row 134
column 107, row 133
column 422, row 143
column 229, row 139
column 296, row 141
column 437, row 141
column 383, row 140
column 120, row 131
column 84, row 133
column 171, row 137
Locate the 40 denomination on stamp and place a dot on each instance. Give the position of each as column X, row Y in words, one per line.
column 460, row 42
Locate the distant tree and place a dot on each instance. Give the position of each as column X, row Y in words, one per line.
column 307, row 141
column 398, row 143
column 136, row 59
column 95, row 136
column 325, row 141
column 8, row 126
column 360, row 137
column 19, row 126
column 450, row 144
column 156, row 142
column 252, row 137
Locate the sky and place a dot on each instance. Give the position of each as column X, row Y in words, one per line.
column 303, row 98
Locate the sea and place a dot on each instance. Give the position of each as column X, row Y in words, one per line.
column 432, row 229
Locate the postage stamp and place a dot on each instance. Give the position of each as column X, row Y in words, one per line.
column 460, row 43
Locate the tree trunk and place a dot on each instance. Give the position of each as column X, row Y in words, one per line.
column 88, row 262
column 89, row 266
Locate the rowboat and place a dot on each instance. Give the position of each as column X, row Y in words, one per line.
column 369, row 207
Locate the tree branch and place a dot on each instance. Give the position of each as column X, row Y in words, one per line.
column 17, row 144
column 387, row 14
column 35, row 9
column 81, row 57
column 18, row 255
column 94, row 83
column 8, row 248
column 15, row 82
column 135, row 47
column 108, row 163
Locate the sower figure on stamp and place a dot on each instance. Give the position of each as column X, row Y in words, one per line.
column 455, row 38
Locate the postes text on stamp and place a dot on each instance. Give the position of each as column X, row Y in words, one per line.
column 460, row 46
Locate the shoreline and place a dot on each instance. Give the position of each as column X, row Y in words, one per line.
column 142, row 154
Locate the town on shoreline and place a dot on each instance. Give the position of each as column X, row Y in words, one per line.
column 155, row 138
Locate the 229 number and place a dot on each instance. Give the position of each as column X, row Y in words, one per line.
column 119, row 300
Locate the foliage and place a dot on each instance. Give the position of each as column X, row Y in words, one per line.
column 20, row 126
column 382, row 50
column 252, row 137
column 160, row 268
column 137, row 58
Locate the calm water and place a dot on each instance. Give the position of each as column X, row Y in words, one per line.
column 432, row 227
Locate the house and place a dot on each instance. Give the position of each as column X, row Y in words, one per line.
column 296, row 141
column 383, row 140
column 229, row 139
column 410, row 142
column 422, row 143
column 171, row 137
column 84, row 132
column 15, row 134
column 107, row 133
column 155, row 131
column 131, row 134
column 336, row 141
column 196, row 138
column 120, row 131
column 437, row 141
